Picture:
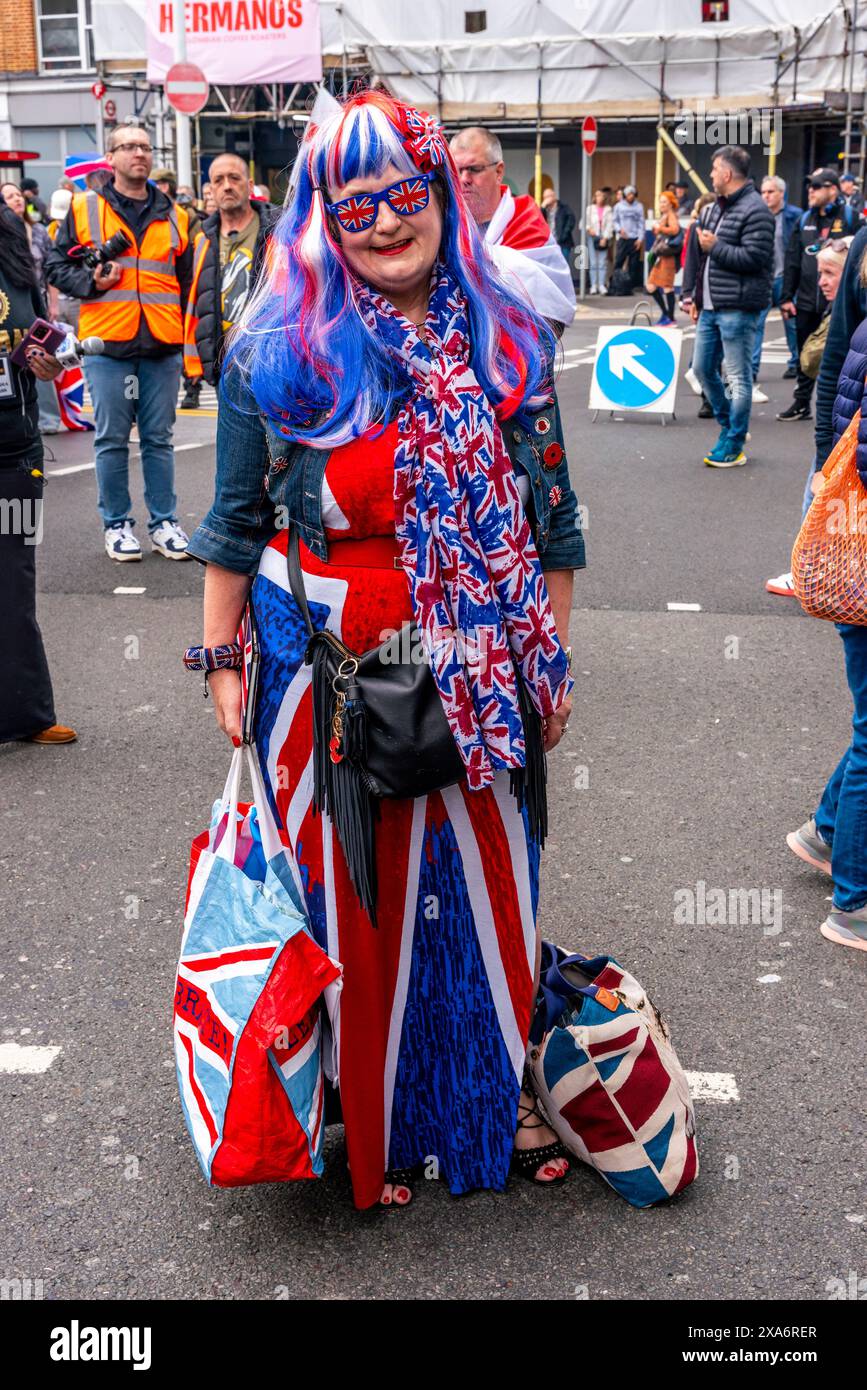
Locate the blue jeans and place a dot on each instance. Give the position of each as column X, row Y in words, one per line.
column 124, row 390
column 841, row 818
column 728, row 334
column 598, row 261
column 808, row 489
column 788, row 325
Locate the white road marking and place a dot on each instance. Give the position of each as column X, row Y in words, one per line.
column 89, row 467
column 26, row 1061
column 769, row 979
column 73, row 468
column 684, row 607
column 719, row 1086
column 128, row 589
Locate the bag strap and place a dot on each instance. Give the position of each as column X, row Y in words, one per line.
column 229, row 808
column 296, row 578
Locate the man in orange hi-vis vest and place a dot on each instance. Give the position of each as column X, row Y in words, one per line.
column 133, row 296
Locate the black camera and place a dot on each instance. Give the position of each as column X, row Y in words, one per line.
column 93, row 256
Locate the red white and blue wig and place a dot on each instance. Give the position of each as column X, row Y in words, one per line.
column 312, row 364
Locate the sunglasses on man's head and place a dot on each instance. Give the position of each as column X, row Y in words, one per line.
column 406, row 197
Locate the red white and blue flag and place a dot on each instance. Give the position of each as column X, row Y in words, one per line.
column 436, row 1001
column 78, row 166
column 70, row 399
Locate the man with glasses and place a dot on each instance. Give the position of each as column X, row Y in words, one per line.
column 827, row 218
column 514, row 228
column 133, row 298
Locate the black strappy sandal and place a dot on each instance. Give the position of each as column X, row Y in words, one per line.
column 527, row 1162
column 399, row 1177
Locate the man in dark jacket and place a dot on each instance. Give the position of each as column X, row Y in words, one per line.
column 851, row 192
column 228, row 259
column 561, row 220
column 786, row 216
column 733, row 286
column 828, row 218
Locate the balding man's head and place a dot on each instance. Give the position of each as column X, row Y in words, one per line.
column 478, row 155
column 230, row 181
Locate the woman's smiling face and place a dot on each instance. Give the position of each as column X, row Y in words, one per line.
column 395, row 255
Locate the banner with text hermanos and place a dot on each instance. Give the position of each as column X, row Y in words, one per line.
column 239, row 41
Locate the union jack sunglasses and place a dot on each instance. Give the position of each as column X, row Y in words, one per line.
column 406, row 197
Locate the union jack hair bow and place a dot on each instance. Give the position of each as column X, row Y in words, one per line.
column 422, row 138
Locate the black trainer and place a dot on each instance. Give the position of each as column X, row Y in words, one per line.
column 795, row 412
column 704, row 411
column 790, row 373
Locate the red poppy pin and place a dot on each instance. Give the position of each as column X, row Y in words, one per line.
column 543, row 424
column 555, row 496
column 552, row 455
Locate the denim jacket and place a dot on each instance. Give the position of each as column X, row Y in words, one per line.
column 264, row 481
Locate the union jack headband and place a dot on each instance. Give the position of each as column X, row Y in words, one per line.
column 423, row 138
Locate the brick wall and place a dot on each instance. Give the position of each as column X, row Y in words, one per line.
column 17, row 38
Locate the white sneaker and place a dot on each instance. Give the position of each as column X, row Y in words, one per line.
column 781, row 585
column 759, row 397
column 692, row 381
column 169, row 540
column 120, row 543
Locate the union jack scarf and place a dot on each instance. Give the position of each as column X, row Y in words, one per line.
column 478, row 591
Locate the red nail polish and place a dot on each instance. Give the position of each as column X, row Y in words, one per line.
column 236, row 741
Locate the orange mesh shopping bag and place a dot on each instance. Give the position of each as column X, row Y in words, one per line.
column 829, row 561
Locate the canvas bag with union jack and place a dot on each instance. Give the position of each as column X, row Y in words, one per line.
column 608, row 1078
column 248, row 1000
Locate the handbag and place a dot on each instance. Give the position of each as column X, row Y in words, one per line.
column 249, row 992
column 829, row 559
column 380, row 730
column 667, row 245
column 608, row 1079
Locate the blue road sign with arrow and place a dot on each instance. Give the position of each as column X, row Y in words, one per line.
column 636, row 368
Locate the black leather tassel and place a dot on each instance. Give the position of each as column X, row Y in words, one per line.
column 529, row 784
column 340, row 788
column 355, row 727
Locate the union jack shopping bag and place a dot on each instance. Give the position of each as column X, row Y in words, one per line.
column 608, row 1078
column 248, row 999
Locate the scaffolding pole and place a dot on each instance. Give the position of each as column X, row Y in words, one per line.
column 681, row 159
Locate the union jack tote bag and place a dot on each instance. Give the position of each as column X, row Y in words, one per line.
column 248, row 1000
column 608, row 1078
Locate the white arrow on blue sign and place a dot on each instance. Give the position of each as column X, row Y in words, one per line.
column 635, row 369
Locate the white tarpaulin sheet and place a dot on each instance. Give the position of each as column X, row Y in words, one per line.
column 595, row 56
column 599, row 56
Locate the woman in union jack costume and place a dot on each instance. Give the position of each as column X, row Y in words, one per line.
column 388, row 368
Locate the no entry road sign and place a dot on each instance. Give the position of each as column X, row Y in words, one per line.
column 636, row 369
column 589, row 135
column 187, row 88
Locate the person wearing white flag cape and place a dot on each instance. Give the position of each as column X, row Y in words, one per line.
column 515, row 229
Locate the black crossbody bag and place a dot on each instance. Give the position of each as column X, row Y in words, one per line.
column 380, row 730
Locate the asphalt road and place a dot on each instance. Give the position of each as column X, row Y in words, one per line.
column 690, row 756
